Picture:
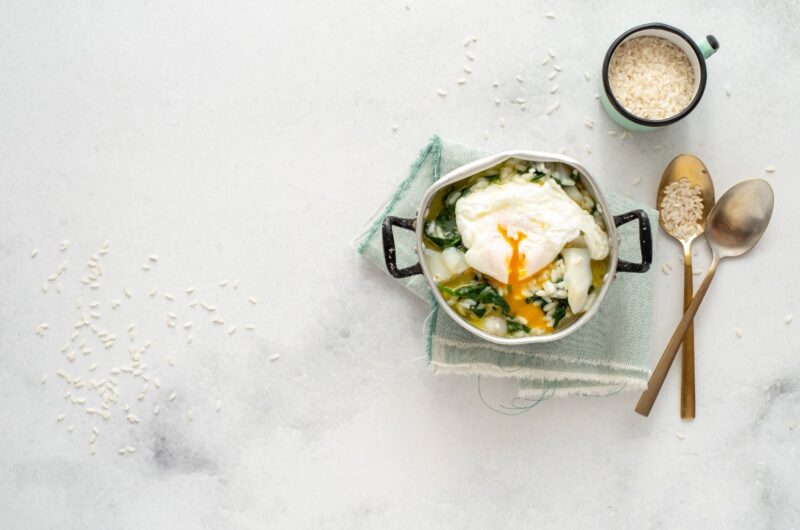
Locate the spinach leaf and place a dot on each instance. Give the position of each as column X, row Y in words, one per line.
column 490, row 296
column 452, row 239
column 559, row 312
column 479, row 310
column 513, row 326
column 447, row 290
column 483, row 293
column 470, row 291
column 443, row 230
column 536, row 300
column 538, row 175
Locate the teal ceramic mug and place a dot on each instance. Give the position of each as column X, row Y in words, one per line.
column 696, row 52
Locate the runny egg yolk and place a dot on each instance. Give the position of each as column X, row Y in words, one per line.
column 517, row 282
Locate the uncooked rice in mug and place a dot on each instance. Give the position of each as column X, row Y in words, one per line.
column 651, row 77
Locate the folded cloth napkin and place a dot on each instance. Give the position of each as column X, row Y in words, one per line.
column 607, row 355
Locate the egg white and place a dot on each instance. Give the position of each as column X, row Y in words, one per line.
column 547, row 217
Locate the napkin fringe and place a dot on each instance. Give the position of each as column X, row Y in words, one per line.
column 543, row 377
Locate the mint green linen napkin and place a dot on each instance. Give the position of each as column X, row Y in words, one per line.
column 608, row 354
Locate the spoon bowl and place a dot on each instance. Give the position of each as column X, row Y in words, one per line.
column 691, row 168
column 740, row 218
column 734, row 226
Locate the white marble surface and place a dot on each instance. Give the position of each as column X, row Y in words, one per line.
column 250, row 141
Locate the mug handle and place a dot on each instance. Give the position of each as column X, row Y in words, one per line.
column 708, row 46
column 389, row 251
column 645, row 241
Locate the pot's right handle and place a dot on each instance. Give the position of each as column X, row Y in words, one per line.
column 645, row 241
column 390, row 253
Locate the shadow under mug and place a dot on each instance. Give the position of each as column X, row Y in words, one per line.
column 696, row 52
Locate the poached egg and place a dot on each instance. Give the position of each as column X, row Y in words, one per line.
column 515, row 229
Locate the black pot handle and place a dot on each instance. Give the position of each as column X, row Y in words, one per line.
column 645, row 241
column 389, row 253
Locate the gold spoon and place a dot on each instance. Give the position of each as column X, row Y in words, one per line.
column 734, row 226
column 692, row 169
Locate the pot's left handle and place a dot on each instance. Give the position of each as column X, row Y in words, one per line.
column 389, row 252
column 645, row 241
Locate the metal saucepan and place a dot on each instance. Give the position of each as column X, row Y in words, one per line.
column 466, row 171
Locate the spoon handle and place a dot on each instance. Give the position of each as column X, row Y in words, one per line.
column 687, row 354
column 660, row 373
